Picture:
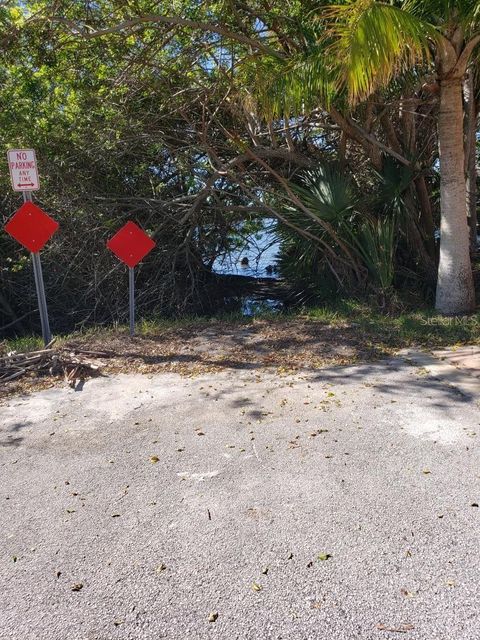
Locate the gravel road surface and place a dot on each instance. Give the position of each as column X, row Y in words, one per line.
column 336, row 505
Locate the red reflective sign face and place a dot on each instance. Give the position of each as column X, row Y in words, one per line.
column 130, row 244
column 31, row 226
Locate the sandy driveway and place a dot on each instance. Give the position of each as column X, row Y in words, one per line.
column 341, row 504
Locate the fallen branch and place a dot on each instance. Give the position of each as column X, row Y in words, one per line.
column 64, row 363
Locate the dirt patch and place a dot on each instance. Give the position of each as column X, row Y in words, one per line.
column 281, row 345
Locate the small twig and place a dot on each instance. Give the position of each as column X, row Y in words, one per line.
column 100, row 354
column 17, row 320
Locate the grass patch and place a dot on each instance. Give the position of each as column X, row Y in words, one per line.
column 395, row 330
column 23, row 344
column 422, row 327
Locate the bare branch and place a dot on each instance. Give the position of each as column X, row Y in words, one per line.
column 150, row 20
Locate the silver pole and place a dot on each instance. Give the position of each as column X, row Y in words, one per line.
column 131, row 288
column 42, row 301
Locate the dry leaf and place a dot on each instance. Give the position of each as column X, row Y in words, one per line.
column 256, row 587
column 403, row 628
column 154, row 459
column 77, row 586
column 213, row 616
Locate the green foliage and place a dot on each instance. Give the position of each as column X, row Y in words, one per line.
column 445, row 12
column 296, row 85
column 115, row 135
column 353, row 46
column 372, row 42
column 365, row 224
column 327, row 193
column 375, row 242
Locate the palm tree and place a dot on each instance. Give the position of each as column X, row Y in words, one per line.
column 368, row 44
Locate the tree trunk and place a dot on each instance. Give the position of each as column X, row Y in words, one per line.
column 471, row 156
column 426, row 215
column 455, row 291
column 416, row 243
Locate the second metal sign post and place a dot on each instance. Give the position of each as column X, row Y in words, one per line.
column 131, row 244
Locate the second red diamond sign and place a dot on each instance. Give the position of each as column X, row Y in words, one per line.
column 130, row 244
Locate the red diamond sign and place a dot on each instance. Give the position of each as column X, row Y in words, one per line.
column 130, row 244
column 31, row 227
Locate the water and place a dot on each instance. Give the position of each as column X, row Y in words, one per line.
column 254, row 306
column 261, row 249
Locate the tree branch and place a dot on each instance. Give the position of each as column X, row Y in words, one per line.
column 464, row 58
column 361, row 133
column 152, row 19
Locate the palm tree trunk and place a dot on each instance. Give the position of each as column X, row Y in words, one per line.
column 455, row 291
column 471, row 156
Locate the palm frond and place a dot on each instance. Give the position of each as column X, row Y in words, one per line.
column 327, row 193
column 372, row 42
column 367, row 225
column 393, row 181
column 302, row 83
column 375, row 242
column 446, row 14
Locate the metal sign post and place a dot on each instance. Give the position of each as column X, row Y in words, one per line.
column 131, row 244
column 38, row 275
column 31, row 226
column 131, row 289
